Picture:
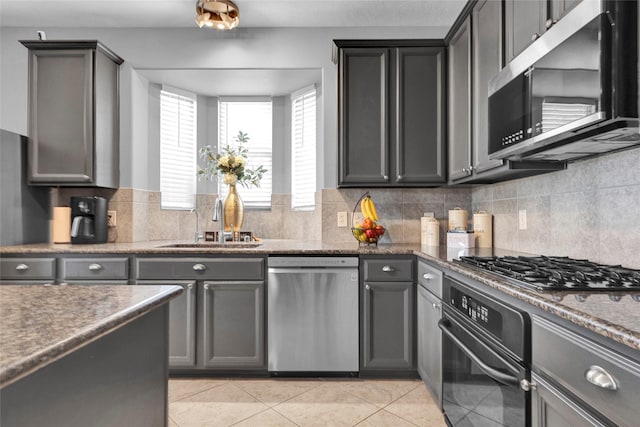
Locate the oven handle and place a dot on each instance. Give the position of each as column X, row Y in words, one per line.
column 501, row 377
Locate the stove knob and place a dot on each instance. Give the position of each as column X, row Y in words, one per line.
column 527, row 385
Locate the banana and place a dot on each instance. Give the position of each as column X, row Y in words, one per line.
column 364, row 208
column 372, row 209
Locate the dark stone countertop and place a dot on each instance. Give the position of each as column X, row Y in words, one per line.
column 39, row 324
column 616, row 320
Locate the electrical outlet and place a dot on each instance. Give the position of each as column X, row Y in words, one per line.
column 111, row 218
column 343, row 219
column 357, row 219
column 522, row 219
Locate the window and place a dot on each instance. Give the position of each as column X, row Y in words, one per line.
column 303, row 149
column 177, row 149
column 253, row 117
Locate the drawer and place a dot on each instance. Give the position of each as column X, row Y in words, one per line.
column 430, row 278
column 27, row 268
column 570, row 358
column 390, row 269
column 94, row 268
column 200, row 268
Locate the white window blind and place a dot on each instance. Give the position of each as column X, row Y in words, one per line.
column 177, row 150
column 303, row 149
column 253, row 117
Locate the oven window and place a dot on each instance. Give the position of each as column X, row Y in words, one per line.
column 471, row 397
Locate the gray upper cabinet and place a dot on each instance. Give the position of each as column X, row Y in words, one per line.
column 524, row 23
column 391, row 113
column 459, row 118
column 76, row 145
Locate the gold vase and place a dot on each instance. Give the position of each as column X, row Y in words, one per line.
column 233, row 210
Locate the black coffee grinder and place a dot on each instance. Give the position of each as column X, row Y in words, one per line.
column 88, row 219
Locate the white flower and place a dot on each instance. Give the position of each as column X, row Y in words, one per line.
column 224, row 161
column 230, row 178
column 240, row 161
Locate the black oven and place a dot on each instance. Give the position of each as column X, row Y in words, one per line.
column 572, row 93
column 486, row 356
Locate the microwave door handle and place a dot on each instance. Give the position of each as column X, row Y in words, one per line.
column 501, row 377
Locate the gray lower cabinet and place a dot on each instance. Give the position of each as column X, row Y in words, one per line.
column 76, row 145
column 577, row 381
column 218, row 323
column 27, row 270
column 387, row 334
column 391, row 113
column 429, row 313
column 113, row 270
column 233, row 326
column 182, row 324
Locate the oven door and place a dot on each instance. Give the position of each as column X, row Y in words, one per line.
column 480, row 386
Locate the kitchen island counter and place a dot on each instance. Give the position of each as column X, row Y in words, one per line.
column 41, row 324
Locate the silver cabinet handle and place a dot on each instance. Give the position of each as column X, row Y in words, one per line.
column 535, row 36
column 386, row 177
column 436, row 305
column 367, row 287
column 22, row 267
column 190, row 286
column 206, row 287
column 95, row 267
column 427, row 276
column 599, row 377
column 400, row 177
column 388, row 269
column 199, row 267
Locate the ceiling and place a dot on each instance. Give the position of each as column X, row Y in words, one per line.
column 253, row 13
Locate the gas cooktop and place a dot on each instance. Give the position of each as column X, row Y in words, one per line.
column 558, row 273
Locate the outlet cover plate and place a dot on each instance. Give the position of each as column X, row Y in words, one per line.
column 522, row 219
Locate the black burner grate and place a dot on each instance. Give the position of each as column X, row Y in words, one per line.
column 559, row 273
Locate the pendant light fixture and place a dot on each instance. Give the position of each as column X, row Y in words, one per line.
column 219, row 14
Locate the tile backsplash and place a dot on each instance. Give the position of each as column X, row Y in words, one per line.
column 590, row 210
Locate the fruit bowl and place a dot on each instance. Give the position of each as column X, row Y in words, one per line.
column 368, row 236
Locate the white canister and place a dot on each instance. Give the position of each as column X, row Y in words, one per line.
column 483, row 229
column 458, row 219
column 429, row 231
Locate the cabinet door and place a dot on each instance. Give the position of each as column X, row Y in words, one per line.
column 559, row 8
column 524, row 22
column 364, row 116
column 387, row 337
column 182, row 324
column 459, row 118
column 487, row 61
column 61, row 138
column 430, row 342
column 552, row 408
column 419, row 116
column 233, row 325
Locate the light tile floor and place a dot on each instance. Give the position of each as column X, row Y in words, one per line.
column 202, row 402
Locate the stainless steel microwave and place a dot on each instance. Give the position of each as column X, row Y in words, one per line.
column 573, row 92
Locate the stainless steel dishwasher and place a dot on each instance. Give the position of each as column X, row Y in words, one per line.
column 312, row 310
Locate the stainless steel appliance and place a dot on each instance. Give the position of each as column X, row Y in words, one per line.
column 312, row 310
column 574, row 92
column 486, row 356
column 88, row 219
column 549, row 273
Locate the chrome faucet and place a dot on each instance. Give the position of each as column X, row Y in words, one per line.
column 218, row 216
column 197, row 234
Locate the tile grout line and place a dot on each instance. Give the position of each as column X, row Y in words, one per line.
column 198, row 392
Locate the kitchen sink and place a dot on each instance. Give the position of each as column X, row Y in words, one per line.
column 205, row 245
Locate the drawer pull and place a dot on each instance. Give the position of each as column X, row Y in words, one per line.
column 95, row 267
column 206, row 287
column 190, row 286
column 367, row 287
column 427, row 276
column 436, row 305
column 22, row 267
column 199, row 267
column 388, row 269
column 600, row 378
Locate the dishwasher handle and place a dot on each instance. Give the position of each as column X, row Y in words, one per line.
column 310, row 270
